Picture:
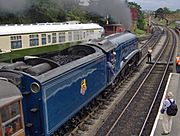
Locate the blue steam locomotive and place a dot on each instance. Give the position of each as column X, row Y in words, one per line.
column 56, row 86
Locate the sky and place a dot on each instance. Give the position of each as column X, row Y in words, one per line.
column 155, row 4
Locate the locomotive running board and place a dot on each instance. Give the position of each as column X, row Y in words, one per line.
column 160, row 62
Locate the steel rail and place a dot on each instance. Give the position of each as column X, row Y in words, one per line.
column 170, row 56
column 140, row 86
column 151, row 43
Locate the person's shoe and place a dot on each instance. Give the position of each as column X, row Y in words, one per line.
column 165, row 133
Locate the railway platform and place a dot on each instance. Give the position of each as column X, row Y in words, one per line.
column 173, row 85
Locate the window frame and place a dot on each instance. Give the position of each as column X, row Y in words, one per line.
column 49, row 38
column 33, row 40
column 62, row 37
column 70, row 36
column 16, row 41
column 12, row 119
column 54, row 37
column 43, row 39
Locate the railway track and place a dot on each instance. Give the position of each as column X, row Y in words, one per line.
column 83, row 122
column 151, row 42
column 105, row 102
column 136, row 112
column 155, row 37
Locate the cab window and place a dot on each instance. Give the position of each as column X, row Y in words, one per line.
column 11, row 119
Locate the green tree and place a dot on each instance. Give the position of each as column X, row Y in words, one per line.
column 95, row 18
column 41, row 11
column 8, row 18
column 140, row 16
column 166, row 10
column 159, row 13
column 162, row 12
column 76, row 13
column 178, row 10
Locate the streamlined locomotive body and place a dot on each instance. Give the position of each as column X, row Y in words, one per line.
column 58, row 85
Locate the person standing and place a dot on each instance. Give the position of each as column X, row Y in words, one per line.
column 110, row 67
column 178, row 63
column 149, row 55
column 167, row 120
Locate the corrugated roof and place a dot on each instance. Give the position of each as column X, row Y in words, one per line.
column 44, row 27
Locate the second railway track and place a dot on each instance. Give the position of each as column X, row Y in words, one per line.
column 91, row 124
column 131, row 115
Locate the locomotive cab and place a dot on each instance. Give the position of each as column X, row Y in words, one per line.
column 11, row 116
column 122, row 54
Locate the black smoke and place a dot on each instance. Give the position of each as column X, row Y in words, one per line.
column 116, row 9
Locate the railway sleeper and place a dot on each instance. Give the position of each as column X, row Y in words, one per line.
column 89, row 122
column 161, row 62
column 83, row 127
column 103, row 107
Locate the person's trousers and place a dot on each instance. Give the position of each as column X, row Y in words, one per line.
column 178, row 68
column 167, row 123
column 149, row 57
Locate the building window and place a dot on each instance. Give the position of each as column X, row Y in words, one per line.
column 69, row 36
column 16, row 42
column 43, row 39
column 90, row 34
column 76, row 35
column 49, row 38
column 54, row 38
column 84, row 35
column 11, row 119
column 61, row 37
column 34, row 40
column 80, row 35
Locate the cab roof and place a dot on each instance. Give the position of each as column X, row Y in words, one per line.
column 119, row 38
column 8, row 93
